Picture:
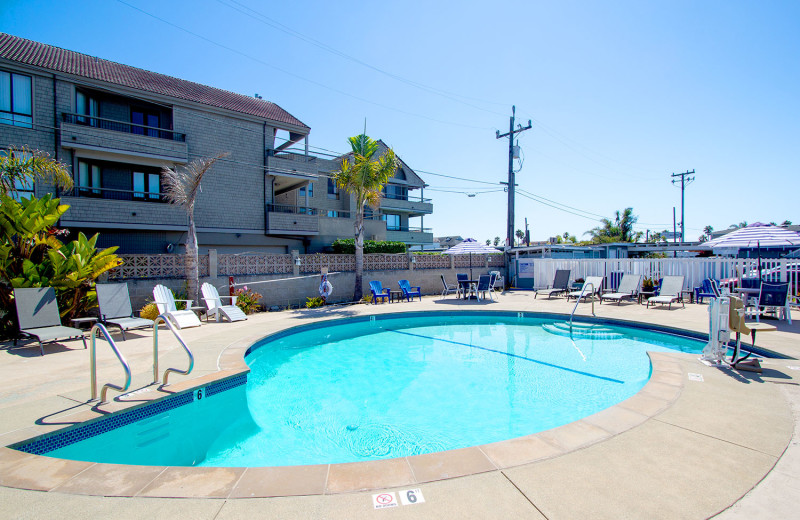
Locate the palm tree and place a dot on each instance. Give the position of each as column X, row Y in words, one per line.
column 496, row 241
column 181, row 187
column 364, row 178
column 520, row 236
column 708, row 230
column 23, row 167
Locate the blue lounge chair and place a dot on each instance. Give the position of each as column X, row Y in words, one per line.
column 408, row 291
column 378, row 292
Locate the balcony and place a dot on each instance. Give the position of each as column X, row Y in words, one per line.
column 291, row 220
column 122, row 139
column 291, row 171
column 111, row 208
column 410, row 235
column 414, row 206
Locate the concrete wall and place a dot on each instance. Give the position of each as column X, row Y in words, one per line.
column 295, row 292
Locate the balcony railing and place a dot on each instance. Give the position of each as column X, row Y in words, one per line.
column 122, row 126
column 409, row 229
column 336, row 213
column 410, row 198
column 109, row 193
column 297, row 210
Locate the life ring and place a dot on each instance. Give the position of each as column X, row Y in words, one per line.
column 325, row 288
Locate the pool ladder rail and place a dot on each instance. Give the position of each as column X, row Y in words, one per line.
column 93, row 364
column 163, row 319
column 572, row 314
column 125, row 366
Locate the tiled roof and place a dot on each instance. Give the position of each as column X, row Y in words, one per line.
column 53, row 58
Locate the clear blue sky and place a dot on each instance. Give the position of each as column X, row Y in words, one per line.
column 621, row 94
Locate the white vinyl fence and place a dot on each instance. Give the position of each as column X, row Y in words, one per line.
column 694, row 270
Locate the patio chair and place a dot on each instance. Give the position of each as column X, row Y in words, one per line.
column 596, row 286
column 560, row 284
column 498, row 280
column 668, row 292
column 448, row 288
column 378, row 292
column 38, row 317
column 708, row 289
column 773, row 297
column 115, row 308
column 215, row 307
column 628, row 288
column 408, row 291
column 463, row 288
column 484, row 286
column 165, row 301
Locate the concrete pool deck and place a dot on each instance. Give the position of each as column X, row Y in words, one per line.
column 679, row 449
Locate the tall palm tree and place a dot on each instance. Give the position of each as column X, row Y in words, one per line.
column 181, row 187
column 364, row 178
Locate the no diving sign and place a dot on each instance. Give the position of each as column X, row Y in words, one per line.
column 407, row 497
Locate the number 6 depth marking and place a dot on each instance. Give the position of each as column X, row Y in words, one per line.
column 411, row 496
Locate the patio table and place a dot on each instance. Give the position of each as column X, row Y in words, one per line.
column 468, row 288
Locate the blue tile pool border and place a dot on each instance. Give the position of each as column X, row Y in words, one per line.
column 61, row 438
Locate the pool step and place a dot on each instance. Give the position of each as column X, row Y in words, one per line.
column 581, row 330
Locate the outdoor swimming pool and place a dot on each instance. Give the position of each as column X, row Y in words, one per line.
column 390, row 386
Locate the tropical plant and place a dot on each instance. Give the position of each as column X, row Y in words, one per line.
column 786, row 223
column 520, row 236
column 488, row 242
column 181, row 187
column 708, row 230
column 149, row 311
column 364, row 177
column 620, row 230
column 247, row 300
column 31, row 255
column 23, row 167
column 314, row 302
column 496, row 241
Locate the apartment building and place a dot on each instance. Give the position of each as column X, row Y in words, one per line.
column 117, row 126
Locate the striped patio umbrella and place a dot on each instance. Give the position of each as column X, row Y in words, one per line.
column 756, row 235
column 765, row 235
column 471, row 246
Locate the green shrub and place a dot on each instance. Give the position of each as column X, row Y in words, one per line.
column 367, row 298
column 347, row 246
column 314, row 302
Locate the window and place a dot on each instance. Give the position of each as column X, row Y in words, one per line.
column 145, row 118
column 89, row 182
column 146, row 186
column 310, row 190
column 16, row 102
column 333, row 213
column 392, row 222
column 333, row 189
column 86, row 105
column 393, row 191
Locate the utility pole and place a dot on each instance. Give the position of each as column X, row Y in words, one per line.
column 684, row 182
column 511, row 133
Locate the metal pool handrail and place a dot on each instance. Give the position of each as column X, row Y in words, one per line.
column 93, row 364
column 583, row 289
column 163, row 319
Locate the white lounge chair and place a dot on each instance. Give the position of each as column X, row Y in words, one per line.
column 165, row 301
column 628, row 288
column 115, row 308
column 591, row 286
column 670, row 291
column 37, row 315
column 215, row 307
column 560, row 284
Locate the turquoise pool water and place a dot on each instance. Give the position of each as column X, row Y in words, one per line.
column 403, row 385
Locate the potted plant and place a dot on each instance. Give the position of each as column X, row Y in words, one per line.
column 648, row 284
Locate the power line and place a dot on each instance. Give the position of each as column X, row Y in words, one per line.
column 292, row 74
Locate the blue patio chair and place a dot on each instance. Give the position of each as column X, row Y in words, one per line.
column 484, row 286
column 706, row 290
column 463, row 288
column 378, row 292
column 772, row 297
column 408, row 291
